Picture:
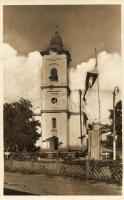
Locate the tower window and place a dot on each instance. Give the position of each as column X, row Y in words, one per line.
column 54, row 75
column 54, row 100
column 53, row 122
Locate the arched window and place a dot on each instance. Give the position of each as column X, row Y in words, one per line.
column 53, row 122
column 54, row 75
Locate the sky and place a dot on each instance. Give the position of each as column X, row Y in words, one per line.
column 82, row 28
column 28, row 30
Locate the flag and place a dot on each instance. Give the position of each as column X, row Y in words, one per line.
column 90, row 80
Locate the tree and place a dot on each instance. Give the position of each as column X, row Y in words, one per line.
column 105, row 128
column 118, row 126
column 118, row 122
column 20, row 126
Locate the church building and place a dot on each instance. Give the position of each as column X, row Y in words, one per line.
column 58, row 131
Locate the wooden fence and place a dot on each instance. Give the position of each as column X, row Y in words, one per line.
column 110, row 172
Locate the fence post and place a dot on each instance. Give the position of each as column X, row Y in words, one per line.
column 57, row 169
column 87, row 169
column 11, row 164
column 32, row 164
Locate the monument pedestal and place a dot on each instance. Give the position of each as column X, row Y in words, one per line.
column 94, row 142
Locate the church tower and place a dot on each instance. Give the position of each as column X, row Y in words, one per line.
column 55, row 91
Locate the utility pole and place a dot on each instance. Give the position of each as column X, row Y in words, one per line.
column 116, row 90
column 80, row 93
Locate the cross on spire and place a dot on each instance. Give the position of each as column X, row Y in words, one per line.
column 57, row 28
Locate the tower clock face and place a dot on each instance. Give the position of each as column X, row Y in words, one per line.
column 54, row 100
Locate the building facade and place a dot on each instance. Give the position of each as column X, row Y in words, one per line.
column 56, row 130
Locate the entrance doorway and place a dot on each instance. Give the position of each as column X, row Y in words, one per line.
column 54, row 143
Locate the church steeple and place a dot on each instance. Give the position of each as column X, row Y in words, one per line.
column 55, row 91
column 56, row 45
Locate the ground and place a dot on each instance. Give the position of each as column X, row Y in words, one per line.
column 56, row 185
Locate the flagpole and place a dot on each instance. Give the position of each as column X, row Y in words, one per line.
column 100, row 148
column 98, row 88
column 80, row 117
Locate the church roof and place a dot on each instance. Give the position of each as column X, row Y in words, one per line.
column 50, row 138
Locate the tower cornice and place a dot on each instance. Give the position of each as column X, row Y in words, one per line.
column 54, row 86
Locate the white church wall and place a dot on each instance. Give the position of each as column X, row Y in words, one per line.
column 61, row 128
column 60, row 94
column 51, row 61
column 75, row 133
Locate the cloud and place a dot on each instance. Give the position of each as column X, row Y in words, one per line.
column 22, row 75
column 22, row 78
column 109, row 68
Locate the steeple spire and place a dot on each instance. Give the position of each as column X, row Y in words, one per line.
column 56, row 41
column 56, row 45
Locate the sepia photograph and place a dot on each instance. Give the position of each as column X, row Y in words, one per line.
column 62, row 99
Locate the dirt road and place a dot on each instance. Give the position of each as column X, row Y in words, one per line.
column 56, row 185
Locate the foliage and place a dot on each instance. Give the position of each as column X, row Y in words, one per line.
column 118, row 126
column 105, row 128
column 118, row 123
column 20, row 126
